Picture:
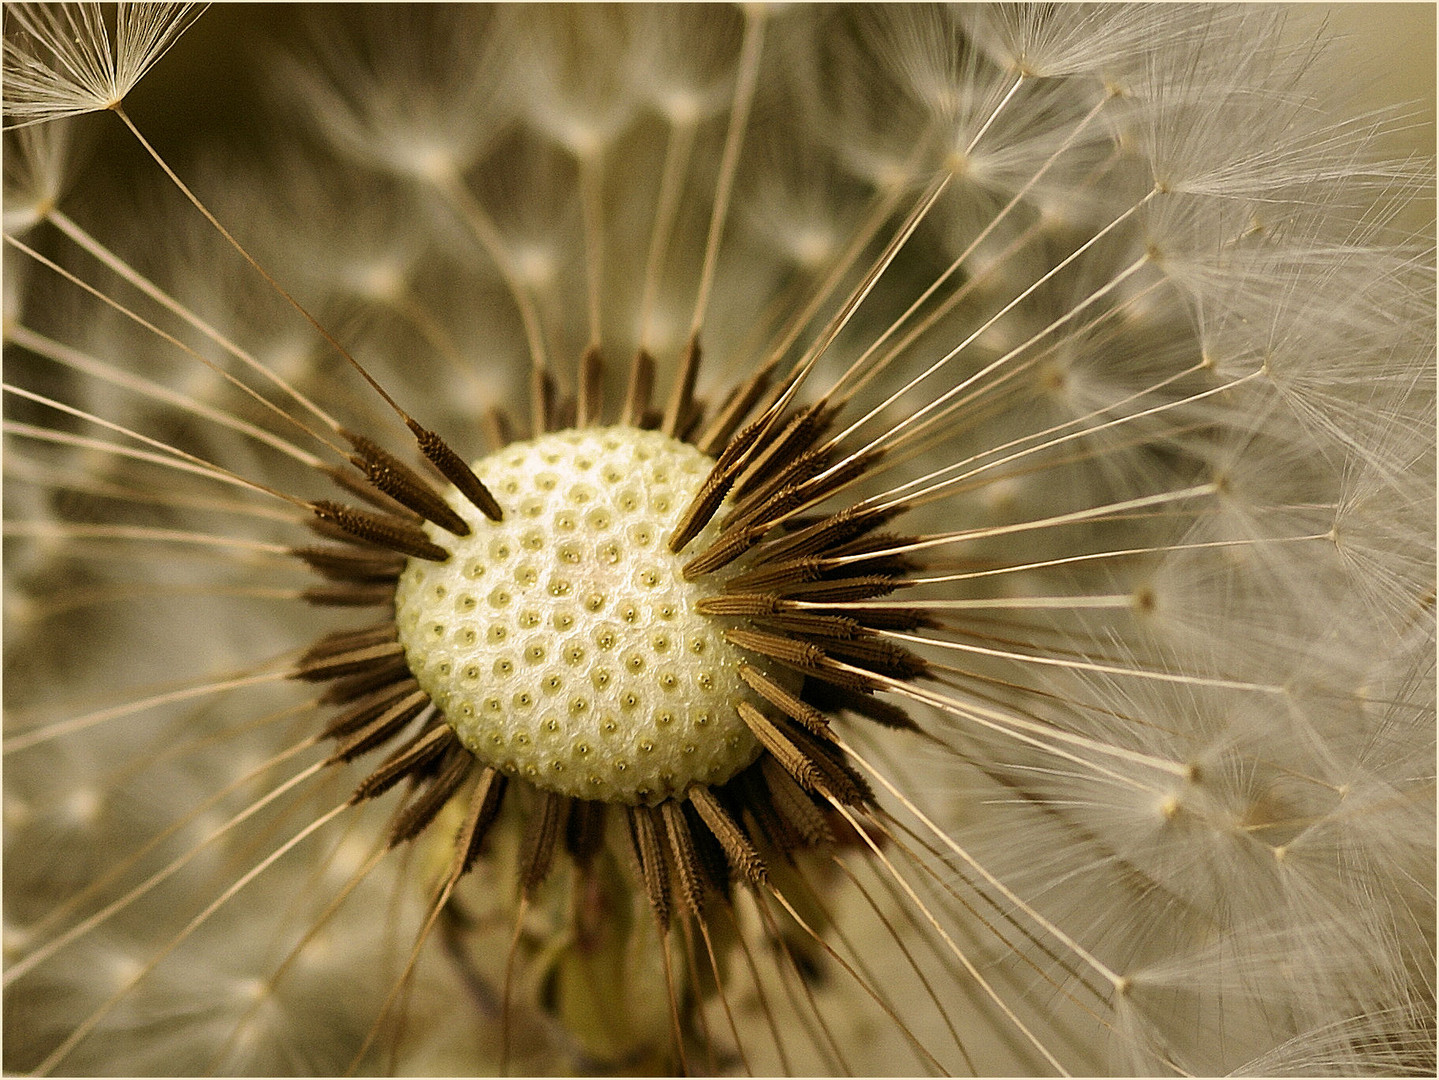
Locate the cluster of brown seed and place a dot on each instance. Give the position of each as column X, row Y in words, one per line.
column 776, row 561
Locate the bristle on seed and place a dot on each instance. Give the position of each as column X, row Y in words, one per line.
column 585, row 831
column 546, row 826
column 701, row 509
column 350, row 564
column 351, row 688
column 637, row 394
column 649, row 854
column 365, row 708
column 385, row 531
column 799, row 813
column 416, row 817
column 737, row 847
column 350, row 662
column 400, row 482
column 357, row 595
column 722, row 552
column 731, row 414
column 484, row 806
column 797, row 437
column 345, row 640
column 686, row 859
column 680, row 408
column 804, row 771
column 803, row 713
column 419, row 751
column 590, row 403
column 453, row 468
column 361, row 488
column 385, row 726
column 544, row 397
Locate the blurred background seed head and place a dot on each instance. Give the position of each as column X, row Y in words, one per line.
column 209, row 90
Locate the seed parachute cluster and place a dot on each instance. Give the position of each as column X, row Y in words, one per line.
column 678, row 539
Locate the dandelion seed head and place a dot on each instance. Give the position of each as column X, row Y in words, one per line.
column 1052, row 392
column 62, row 61
column 36, row 175
column 406, row 92
column 564, row 642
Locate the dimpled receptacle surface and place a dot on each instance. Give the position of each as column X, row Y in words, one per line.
column 563, row 644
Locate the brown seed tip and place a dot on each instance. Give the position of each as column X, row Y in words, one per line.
column 454, row 469
column 390, row 532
